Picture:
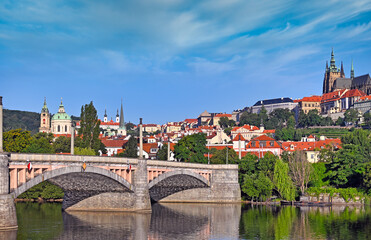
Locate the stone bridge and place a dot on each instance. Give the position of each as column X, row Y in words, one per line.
column 92, row 183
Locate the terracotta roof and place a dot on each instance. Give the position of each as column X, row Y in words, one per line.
column 354, row 93
column 305, row 146
column 269, row 131
column 364, row 98
column 248, row 127
column 59, row 135
column 311, row 136
column 190, row 120
column 332, row 96
column 313, row 98
column 112, row 143
column 149, row 125
column 147, row 147
column 239, row 137
column 256, row 141
column 223, row 115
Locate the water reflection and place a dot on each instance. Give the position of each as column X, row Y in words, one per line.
column 193, row 221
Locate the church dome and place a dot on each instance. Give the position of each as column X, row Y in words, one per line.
column 61, row 116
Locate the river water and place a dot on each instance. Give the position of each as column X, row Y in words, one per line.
column 193, row 221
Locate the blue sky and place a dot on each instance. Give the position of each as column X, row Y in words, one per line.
column 172, row 59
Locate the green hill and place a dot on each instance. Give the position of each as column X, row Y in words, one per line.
column 14, row 119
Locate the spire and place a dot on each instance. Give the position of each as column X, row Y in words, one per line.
column 352, row 71
column 117, row 115
column 342, row 70
column 122, row 123
column 45, row 108
column 332, row 62
column 61, row 107
column 105, row 112
column 326, row 66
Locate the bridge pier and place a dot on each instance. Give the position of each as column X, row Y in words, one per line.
column 8, row 217
column 140, row 182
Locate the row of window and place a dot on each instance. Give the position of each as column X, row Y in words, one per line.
column 262, row 143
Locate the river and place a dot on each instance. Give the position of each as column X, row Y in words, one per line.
column 193, row 221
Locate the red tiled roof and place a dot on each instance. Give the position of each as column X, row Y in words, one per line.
column 364, row 98
column 219, row 147
column 147, row 147
column 239, row 137
column 149, row 125
column 332, row 96
column 248, row 127
column 223, row 115
column 313, row 98
column 354, row 93
column 257, row 141
column 113, row 143
column 310, row 136
column 305, row 146
column 269, row 131
column 59, row 135
column 190, row 120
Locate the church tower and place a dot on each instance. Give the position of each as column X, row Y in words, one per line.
column 105, row 119
column 45, row 119
column 122, row 129
column 331, row 74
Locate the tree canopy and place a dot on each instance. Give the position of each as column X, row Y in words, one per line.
column 191, row 148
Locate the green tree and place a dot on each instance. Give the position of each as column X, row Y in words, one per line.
column 303, row 119
column 162, row 152
column 347, row 167
column 84, row 151
column 89, row 128
column 266, row 164
column 220, row 156
column 351, row 116
column 367, row 119
column 131, row 148
column 367, row 177
column 257, row 186
column 16, row 140
column 249, row 118
column 282, row 181
column 360, row 138
column 300, row 170
column 313, row 118
column 291, row 122
column 191, row 148
column 62, row 144
column 39, row 145
column 129, row 126
column 224, row 122
column 319, row 175
column 340, row 122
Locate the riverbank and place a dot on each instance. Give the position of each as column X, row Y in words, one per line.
column 39, row 200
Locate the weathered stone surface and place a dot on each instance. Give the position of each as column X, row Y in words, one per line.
column 174, row 184
column 82, row 185
column 8, row 217
column 140, row 182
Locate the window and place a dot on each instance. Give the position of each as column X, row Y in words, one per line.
column 153, row 150
column 312, row 156
column 65, row 128
column 59, row 128
column 252, row 144
column 272, row 143
column 43, row 121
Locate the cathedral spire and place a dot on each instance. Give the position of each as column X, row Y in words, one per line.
column 122, row 123
column 105, row 112
column 352, row 71
column 332, row 62
column 326, row 66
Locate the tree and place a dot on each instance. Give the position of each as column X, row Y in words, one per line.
column 351, row 116
column 62, row 144
column 129, row 126
column 367, row 119
column 266, row 165
column 360, row 138
column 39, row 145
column 300, row 170
column 282, row 181
column 340, row 122
column 131, row 148
column 224, row 122
column 257, row 186
column 220, row 156
column 89, row 128
column 367, row 177
column 191, row 148
column 313, row 118
column 84, row 151
column 291, row 122
column 303, row 119
column 162, row 152
column 319, row 175
column 16, row 140
column 249, row 118
column 347, row 167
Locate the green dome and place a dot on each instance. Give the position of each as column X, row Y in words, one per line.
column 61, row 116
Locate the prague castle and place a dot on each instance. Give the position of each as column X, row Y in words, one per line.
column 335, row 79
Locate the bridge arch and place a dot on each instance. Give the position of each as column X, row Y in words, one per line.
column 175, row 181
column 49, row 175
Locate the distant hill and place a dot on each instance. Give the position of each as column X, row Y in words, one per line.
column 14, row 119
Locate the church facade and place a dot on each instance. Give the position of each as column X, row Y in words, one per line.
column 335, row 79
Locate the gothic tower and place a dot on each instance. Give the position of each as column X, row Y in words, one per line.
column 45, row 119
column 331, row 74
column 122, row 129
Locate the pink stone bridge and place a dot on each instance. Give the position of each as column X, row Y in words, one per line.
column 105, row 177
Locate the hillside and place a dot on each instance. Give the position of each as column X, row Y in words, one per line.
column 14, row 119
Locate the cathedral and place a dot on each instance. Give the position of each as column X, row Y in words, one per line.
column 335, row 79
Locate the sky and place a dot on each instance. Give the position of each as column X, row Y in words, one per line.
column 168, row 60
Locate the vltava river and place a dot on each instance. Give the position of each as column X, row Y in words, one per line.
column 193, row 221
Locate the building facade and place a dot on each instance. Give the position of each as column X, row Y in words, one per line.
column 61, row 122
